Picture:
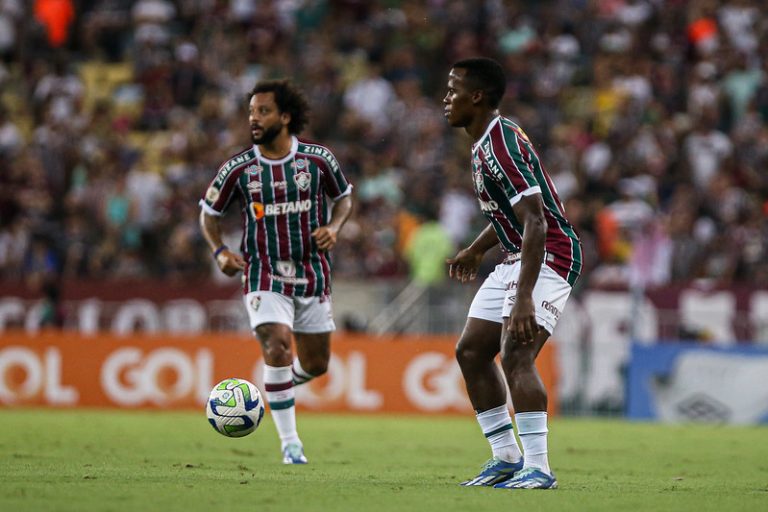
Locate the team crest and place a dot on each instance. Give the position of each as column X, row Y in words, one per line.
column 253, row 169
column 303, row 180
column 254, row 186
column 479, row 185
column 212, row 194
column 255, row 302
column 286, row 268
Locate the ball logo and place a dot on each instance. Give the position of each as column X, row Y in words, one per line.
column 258, row 210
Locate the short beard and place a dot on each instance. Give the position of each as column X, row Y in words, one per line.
column 268, row 135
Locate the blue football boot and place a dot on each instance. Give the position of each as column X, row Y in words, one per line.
column 529, row 478
column 494, row 471
column 293, row 453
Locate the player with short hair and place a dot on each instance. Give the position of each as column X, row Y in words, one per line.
column 516, row 308
column 286, row 188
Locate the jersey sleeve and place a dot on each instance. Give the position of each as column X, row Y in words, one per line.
column 334, row 182
column 220, row 192
column 509, row 154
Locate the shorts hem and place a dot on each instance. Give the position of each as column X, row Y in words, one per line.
column 307, row 330
column 270, row 321
column 480, row 316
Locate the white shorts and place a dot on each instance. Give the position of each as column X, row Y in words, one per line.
column 495, row 298
column 301, row 314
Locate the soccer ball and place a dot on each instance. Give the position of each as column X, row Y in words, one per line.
column 234, row 407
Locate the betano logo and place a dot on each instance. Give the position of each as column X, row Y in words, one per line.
column 260, row 210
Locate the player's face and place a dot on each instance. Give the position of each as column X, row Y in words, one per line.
column 266, row 120
column 458, row 101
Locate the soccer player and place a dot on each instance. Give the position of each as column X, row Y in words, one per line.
column 286, row 188
column 518, row 305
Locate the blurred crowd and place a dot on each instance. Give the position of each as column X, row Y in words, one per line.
column 650, row 115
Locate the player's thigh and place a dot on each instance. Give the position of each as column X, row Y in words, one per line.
column 314, row 315
column 550, row 294
column 313, row 350
column 480, row 341
column 488, row 302
column 514, row 353
column 269, row 308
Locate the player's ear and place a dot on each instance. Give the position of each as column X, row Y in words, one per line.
column 477, row 96
column 285, row 118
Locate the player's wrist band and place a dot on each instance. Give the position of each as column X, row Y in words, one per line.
column 218, row 251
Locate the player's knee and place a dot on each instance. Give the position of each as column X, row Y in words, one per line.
column 276, row 348
column 467, row 355
column 316, row 366
column 516, row 356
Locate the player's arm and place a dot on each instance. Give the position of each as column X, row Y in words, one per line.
column 326, row 236
column 522, row 324
column 464, row 266
column 229, row 262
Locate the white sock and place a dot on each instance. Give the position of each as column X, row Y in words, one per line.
column 496, row 425
column 278, row 387
column 532, row 429
column 300, row 375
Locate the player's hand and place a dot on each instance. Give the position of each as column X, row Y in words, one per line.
column 229, row 262
column 464, row 266
column 325, row 237
column 522, row 326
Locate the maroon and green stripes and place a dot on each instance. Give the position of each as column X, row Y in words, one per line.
column 276, row 388
column 509, row 167
column 282, row 203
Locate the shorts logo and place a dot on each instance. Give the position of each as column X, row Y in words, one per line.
column 255, row 302
column 286, row 268
column 258, row 210
column 212, row 194
column 302, row 179
column 552, row 309
column 512, row 285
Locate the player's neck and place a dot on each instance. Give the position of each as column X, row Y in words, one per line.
column 277, row 148
column 477, row 127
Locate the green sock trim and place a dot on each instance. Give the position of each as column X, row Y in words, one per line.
column 277, row 406
column 499, row 430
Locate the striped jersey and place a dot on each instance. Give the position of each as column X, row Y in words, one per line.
column 505, row 168
column 281, row 203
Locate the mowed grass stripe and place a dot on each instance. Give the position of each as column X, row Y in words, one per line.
column 91, row 460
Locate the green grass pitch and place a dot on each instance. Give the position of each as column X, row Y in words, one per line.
column 156, row 461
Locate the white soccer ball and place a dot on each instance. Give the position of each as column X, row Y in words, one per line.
column 234, row 407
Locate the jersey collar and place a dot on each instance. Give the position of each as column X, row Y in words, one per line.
column 487, row 131
column 288, row 157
